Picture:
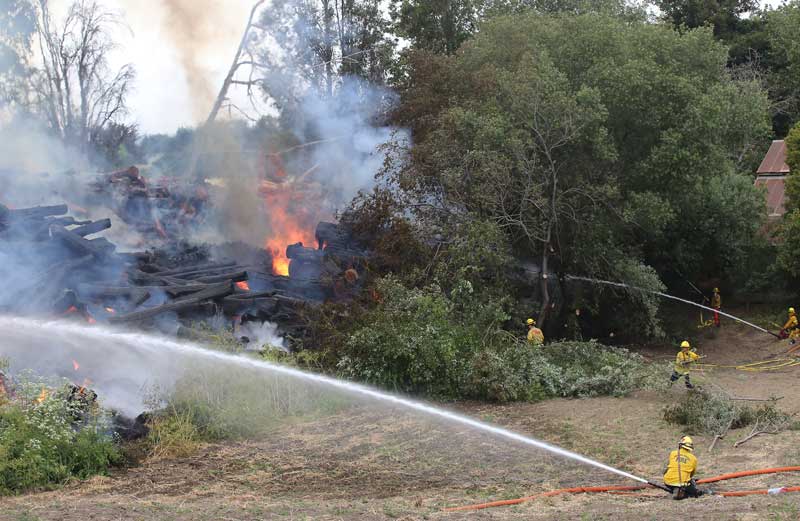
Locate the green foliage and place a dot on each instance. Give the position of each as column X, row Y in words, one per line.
column 423, row 341
column 789, row 233
column 418, row 340
column 581, row 369
column 172, row 434
column 45, row 443
column 724, row 16
column 440, row 25
column 703, row 412
column 627, row 156
column 793, row 162
column 783, row 26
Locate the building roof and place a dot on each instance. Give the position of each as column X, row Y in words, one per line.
column 776, row 193
column 775, row 160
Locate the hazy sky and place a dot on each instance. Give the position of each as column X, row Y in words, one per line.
column 180, row 47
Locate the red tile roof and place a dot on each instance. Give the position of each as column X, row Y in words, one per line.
column 775, row 193
column 775, row 160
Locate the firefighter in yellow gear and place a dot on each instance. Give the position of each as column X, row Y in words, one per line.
column 790, row 328
column 535, row 335
column 681, row 467
column 716, row 303
column 682, row 362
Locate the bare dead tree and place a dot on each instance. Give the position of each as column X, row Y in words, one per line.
column 237, row 63
column 75, row 89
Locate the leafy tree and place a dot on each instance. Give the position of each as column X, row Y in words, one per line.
column 789, row 231
column 439, row 26
column 723, row 15
column 783, row 27
column 599, row 162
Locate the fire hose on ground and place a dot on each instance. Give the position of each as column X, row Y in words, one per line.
column 633, row 488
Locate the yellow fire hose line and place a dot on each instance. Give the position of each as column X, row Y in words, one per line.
column 764, row 365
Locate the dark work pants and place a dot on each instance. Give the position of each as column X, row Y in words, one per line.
column 677, row 376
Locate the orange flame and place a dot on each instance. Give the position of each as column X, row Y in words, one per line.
column 285, row 227
column 85, row 385
column 111, row 310
column 76, row 365
column 42, row 395
column 294, row 204
column 243, row 285
column 71, row 309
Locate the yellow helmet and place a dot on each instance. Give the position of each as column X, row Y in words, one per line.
column 791, row 311
column 530, row 322
column 716, row 290
column 687, row 443
column 685, row 344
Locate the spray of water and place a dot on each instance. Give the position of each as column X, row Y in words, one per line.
column 672, row 297
column 13, row 329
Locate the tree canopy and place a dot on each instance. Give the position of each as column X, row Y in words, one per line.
column 619, row 163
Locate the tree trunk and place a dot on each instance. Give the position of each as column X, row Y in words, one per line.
column 543, row 311
column 223, row 92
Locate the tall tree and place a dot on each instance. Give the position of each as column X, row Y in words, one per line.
column 440, row 26
column 783, row 28
column 602, row 146
column 317, row 44
column 17, row 27
column 74, row 88
column 723, row 15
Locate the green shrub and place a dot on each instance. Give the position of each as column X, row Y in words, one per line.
column 702, row 412
column 44, row 443
column 419, row 340
column 172, row 435
column 579, row 369
column 424, row 341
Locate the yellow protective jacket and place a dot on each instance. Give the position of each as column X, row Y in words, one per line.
column 688, row 466
column 716, row 301
column 684, row 360
column 791, row 323
column 535, row 336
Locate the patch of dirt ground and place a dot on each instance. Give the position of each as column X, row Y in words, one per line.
column 371, row 462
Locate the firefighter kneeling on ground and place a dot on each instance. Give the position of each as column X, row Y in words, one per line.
column 535, row 335
column 682, row 362
column 681, row 467
column 790, row 329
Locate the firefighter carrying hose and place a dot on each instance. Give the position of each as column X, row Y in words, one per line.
column 535, row 335
column 716, row 303
column 790, row 329
column 681, row 467
column 683, row 361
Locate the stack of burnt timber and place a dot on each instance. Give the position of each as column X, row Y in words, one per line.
column 43, row 253
column 55, row 264
column 152, row 210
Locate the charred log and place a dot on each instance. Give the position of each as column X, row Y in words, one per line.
column 79, row 244
column 92, row 227
column 37, row 212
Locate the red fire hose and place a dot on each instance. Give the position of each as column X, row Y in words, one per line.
column 629, row 488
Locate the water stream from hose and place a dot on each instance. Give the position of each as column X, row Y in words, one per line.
column 665, row 295
column 20, row 336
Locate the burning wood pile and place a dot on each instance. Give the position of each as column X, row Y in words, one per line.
column 56, row 265
column 149, row 209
